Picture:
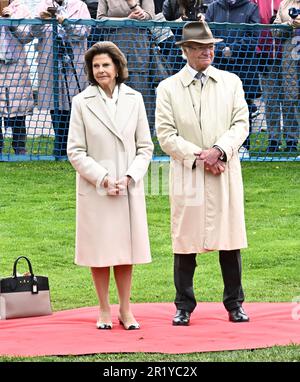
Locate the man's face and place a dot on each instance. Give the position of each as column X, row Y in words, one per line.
column 199, row 56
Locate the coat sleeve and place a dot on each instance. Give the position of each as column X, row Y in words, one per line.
column 171, row 143
column 118, row 12
column 232, row 140
column 148, row 7
column 283, row 19
column 144, row 145
column 254, row 16
column 170, row 10
column 85, row 165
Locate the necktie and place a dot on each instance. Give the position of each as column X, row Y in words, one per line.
column 200, row 76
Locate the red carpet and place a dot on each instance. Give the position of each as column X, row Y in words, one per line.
column 74, row 331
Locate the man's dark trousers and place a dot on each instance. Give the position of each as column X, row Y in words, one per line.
column 184, row 268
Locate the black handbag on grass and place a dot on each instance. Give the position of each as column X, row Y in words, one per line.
column 24, row 296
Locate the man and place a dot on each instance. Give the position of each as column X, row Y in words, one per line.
column 201, row 123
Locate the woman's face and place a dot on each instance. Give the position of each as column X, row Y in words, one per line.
column 104, row 70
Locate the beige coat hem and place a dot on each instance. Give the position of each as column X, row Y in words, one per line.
column 94, row 265
column 204, row 250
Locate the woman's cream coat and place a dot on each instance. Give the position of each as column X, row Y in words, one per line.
column 207, row 211
column 111, row 230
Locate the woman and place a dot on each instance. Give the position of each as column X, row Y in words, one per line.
column 134, row 43
column 16, row 98
column 110, row 147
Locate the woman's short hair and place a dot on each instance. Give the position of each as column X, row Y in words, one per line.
column 118, row 58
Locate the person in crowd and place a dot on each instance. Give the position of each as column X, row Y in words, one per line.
column 270, row 57
column 290, row 84
column 97, row 33
column 238, row 52
column 170, row 10
column 134, row 43
column 184, row 10
column 202, row 120
column 92, row 7
column 110, row 147
column 164, row 52
column 61, row 79
column 16, row 96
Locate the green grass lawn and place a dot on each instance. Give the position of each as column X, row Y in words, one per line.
column 37, row 219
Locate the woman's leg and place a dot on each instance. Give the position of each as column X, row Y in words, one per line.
column 123, row 277
column 101, row 282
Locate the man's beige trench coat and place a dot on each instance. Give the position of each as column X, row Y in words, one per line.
column 207, row 211
column 110, row 230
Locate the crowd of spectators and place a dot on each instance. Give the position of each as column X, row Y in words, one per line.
column 262, row 58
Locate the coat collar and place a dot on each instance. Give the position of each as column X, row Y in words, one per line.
column 125, row 105
column 187, row 78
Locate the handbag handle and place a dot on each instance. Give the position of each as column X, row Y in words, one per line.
column 15, row 266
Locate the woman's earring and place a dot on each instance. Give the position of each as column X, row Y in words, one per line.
column 117, row 75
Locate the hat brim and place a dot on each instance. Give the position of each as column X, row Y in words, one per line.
column 204, row 41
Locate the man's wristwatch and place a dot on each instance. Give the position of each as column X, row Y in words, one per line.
column 223, row 155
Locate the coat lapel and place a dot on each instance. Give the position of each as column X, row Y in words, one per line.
column 186, row 80
column 126, row 102
column 97, row 106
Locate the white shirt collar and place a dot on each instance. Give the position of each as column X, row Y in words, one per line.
column 114, row 95
column 194, row 72
column 110, row 103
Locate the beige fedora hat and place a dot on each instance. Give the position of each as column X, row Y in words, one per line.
column 197, row 31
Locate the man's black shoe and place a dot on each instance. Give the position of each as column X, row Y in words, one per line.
column 238, row 315
column 181, row 318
